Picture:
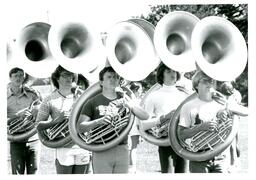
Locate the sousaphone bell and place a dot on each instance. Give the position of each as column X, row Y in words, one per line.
column 33, row 51
column 130, row 49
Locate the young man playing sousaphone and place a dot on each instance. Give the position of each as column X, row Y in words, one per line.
column 94, row 113
column 161, row 104
column 69, row 158
column 24, row 153
column 201, row 114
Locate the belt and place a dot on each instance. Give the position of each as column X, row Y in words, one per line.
column 203, row 150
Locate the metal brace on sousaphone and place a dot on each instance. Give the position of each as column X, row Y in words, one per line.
column 19, row 128
column 102, row 137
column 54, row 135
column 216, row 45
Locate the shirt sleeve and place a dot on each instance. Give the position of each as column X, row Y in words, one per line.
column 87, row 109
column 149, row 105
column 44, row 111
column 185, row 117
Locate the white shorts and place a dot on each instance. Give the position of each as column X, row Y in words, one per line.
column 72, row 156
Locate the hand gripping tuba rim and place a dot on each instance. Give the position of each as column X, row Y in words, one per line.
column 177, row 146
column 77, row 138
column 52, row 142
column 28, row 123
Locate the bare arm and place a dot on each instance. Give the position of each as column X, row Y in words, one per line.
column 186, row 133
column 140, row 112
column 136, row 109
column 238, row 109
column 85, row 124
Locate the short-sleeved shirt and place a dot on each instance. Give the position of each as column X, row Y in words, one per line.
column 205, row 111
column 97, row 107
column 54, row 104
column 24, row 100
column 164, row 100
column 197, row 111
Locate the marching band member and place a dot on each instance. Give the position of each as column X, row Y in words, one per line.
column 159, row 104
column 69, row 159
column 197, row 115
column 25, row 154
column 93, row 113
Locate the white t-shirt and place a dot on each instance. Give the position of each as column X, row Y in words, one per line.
column 164, row 100
column 206, row 111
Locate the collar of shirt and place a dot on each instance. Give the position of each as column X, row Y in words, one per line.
column 11, row 93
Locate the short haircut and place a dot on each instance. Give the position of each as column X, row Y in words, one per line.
column 81, row 80
column 160, row 73
column 15, row 70
column 197, row 77
column 56, row 75
column 104, row 70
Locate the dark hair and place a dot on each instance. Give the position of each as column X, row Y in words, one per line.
column 56, row 75
column 82, row 80
column 104, row 70
column 15, row 70
column 135, row 86
column 160, row 73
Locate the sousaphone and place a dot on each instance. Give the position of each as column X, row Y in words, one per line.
column 102, row 137
column 217, row 45
column 172, row 40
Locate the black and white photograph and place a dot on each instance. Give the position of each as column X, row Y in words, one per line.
column 128, row 87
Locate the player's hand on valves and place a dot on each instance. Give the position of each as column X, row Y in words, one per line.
column 208, row 126
column 23, row 113
column 107, row 119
